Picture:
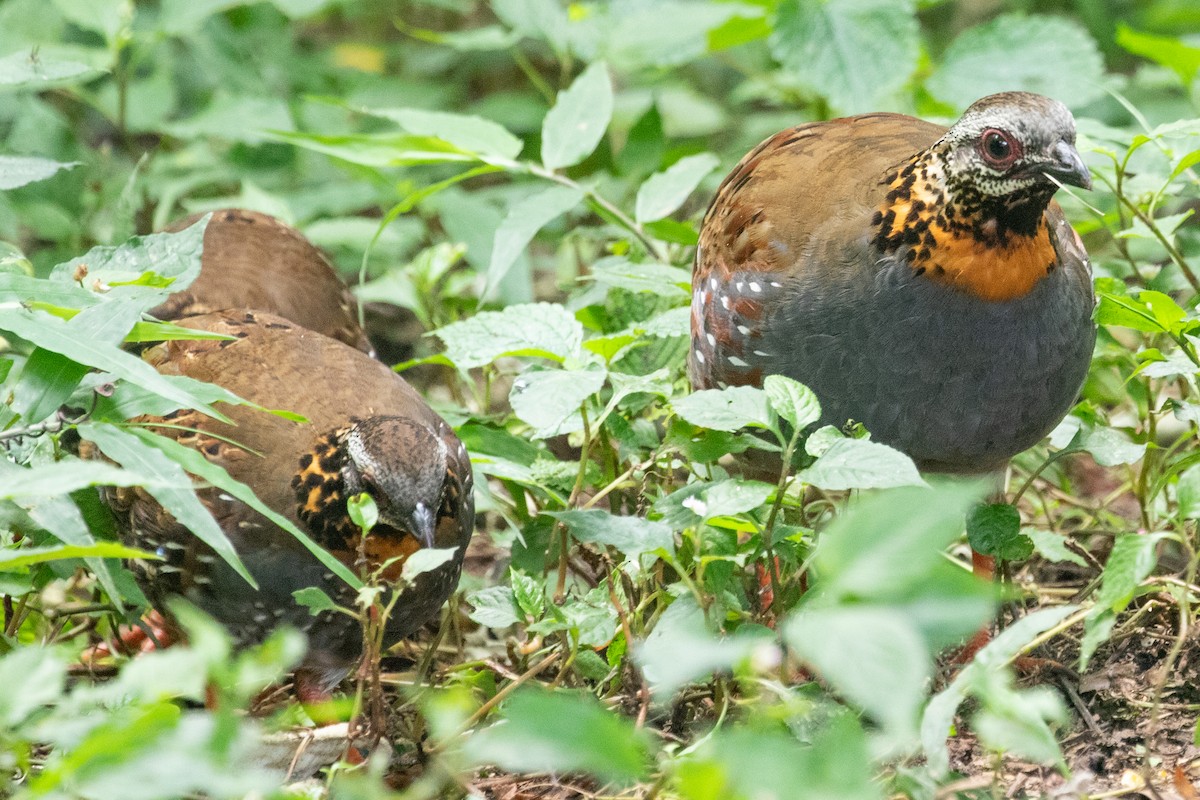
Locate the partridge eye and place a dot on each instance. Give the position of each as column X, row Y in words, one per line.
column 999, row 149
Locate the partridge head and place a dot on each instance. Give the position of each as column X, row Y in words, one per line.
column 254, row 261
column 365, row 430
column 920, row 280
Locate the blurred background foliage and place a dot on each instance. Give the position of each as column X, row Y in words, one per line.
column 526, row 178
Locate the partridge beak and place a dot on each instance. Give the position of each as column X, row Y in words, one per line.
column 1067, row 167
column 423, row 524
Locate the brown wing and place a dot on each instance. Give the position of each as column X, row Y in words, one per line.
column 253, row 260
column 801, row 200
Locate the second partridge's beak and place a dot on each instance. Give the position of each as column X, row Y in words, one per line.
column 423, row 524
column 1067, row 167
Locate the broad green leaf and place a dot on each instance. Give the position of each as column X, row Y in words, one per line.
column 1109, row 446
column 182, row 503
column 32, row 676
column 544, row 330
column 994, row 529
column 1130, row 562
column 562, row 732
column 740, row 762
column 17, row 171
column 576, row 124
column 494, row 607
column 25, row 289
column 665, row 33
column 682, row 629
column 425, row 560
column 1119, row 309
column 467, row 132
column 939, row 714
column 1049, row 55
column 853, row 52
column 550, row 399
column 633, row 536
column 29, row 70
column 793, row 401
column 658, row 279
column 887, row 542
column 726, row 409
column 522, row 223
column 237, row 118
column 47, row 380
column 314, row 599
column 529, row 595
column 59, row 515
column 883, row 668
column 664, row 192
column 1168, row 51
column 1016, row 722
column 734, row 496
column 860, row 464
column 26, row 556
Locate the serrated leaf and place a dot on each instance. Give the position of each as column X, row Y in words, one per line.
column 561, row 732
column 1109, row 447
column 521, row 224
column 494, row 607
column 860, row 464
column 663, row 192
column 550, row 399
column 792, row 400
column 994, row 529
column 16, row 171
column 854, row 52
column 728, row 409
column 1049, row 55
column 576, row 124
column 658, row 279
column 544, row 330
column 528, row 594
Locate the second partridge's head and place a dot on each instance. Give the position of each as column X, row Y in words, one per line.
column 1013, row 143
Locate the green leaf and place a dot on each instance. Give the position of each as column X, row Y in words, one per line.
column 47, row 380
column 1015, row 722
column 16, row 171
column 853, row 52
column 495, row 607
column 314, row 599
column 682, row 629
column 32, row 677
column 545, row 330
column 378, row 149
column 730, row 497
column 363, row 511
column 887, row 542
column 466, row 132
column 658, row 279
column 1127, row 312
column 30, row 70
column 238, row 118
column 860, row 464
column 425, row 560
column 995, row 530
column 1130, row 562
column 939, row 713
column 792, row 400
column 1168, row 51
column 26, row 556
column 728, row 409
column 576, row 124
column 1053, row 547
column 55, row 335
column 124, row 268
column 522, row 222
column 528, row 595
column 128, row 450
column 1049, row 55
column 562, row 732
column 664, row 192
column 1108, row 446
column 883, row 668
column 64, row 477
column 633, row 536
column 550, row 399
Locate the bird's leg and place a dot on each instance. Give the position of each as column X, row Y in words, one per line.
column 152, row 632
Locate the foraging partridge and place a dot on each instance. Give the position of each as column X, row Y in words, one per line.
column 367, row 430
column 254, row 261
column 920, row 280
